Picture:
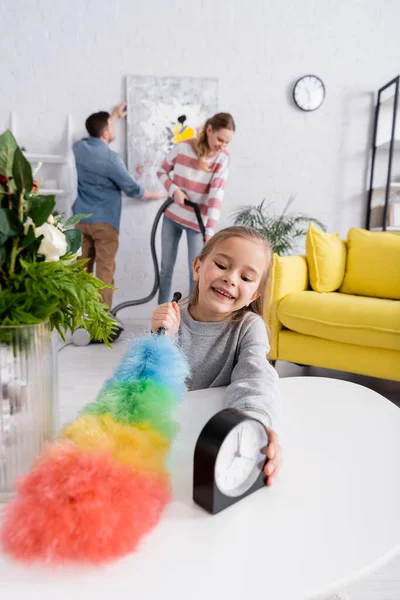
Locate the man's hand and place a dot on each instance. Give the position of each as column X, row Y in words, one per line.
column 274, row 453
column 179, row 197
column 119, row 111
column 154, row 195
column 168, row 316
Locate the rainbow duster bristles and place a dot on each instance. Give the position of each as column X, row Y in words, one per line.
column 97, row 490
column 155, row 362
column 137, row 401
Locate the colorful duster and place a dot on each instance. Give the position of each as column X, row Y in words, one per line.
column 103, row 484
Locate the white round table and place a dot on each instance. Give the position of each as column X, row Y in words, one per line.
column 332, row 517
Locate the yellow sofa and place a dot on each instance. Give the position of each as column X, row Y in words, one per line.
column 341, row 329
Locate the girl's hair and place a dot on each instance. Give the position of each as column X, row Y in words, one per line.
column 217, row 122
column 247, row 233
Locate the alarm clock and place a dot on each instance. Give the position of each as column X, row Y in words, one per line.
column 229, row 460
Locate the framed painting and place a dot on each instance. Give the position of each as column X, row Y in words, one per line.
column 163, row 111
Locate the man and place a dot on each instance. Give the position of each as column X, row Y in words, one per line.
column 102, row 175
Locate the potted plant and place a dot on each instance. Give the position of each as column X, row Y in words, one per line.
column 42, row 287
column 283, row 231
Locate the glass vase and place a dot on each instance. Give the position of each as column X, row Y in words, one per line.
column 28, row 399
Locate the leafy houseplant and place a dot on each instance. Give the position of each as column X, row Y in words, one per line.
column 283, row 231
column 42, row 287
column 40, row 278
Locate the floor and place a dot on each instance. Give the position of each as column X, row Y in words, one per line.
column 81, row 367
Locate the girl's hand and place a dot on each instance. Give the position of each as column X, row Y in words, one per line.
column 274, row 453
column 168, row 316
column 179, row 197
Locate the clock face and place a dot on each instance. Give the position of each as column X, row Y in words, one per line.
column 309, row 93
column 229, row 460
column 241, row 458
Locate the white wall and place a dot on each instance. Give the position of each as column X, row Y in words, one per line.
column 62, row 58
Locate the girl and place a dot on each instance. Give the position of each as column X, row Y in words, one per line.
column 196, row 170
column 222, row 331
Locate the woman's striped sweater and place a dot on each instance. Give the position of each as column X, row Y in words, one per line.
column 182, row 169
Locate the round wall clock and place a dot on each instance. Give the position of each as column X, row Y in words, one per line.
column 229, row 460
column 309, row 92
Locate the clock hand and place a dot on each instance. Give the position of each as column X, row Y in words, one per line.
column 239, row 441
column 233, row 460
column 247, row 457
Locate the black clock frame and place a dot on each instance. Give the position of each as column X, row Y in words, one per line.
column 294, row 89
column 205, row 490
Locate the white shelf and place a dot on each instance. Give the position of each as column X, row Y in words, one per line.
column 386, row 145
column 46, row 158
column 395, row 185
column 388, row 228
column 48, row 192
column 58, row 167
column 389, row 103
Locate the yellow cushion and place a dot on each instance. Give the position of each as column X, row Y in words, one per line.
column 289, row 274
column 343, row 318
column 326, row 258
column 373, row 264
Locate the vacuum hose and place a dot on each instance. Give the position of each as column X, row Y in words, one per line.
column 81, row 337
column 156, row 285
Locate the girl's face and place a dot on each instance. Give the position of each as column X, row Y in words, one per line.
column 229, row 278
column 218, row 140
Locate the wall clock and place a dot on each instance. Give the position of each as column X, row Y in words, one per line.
column 229, row 460
column 309, row 92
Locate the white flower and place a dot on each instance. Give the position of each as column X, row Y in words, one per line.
column 27, row 224
column 53, row 244
column 50, row 219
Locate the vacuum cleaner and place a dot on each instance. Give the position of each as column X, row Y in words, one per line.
column 81, row 337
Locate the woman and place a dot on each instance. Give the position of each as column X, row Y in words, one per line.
column 196, row 170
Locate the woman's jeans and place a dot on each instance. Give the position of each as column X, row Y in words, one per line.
column 170, row 236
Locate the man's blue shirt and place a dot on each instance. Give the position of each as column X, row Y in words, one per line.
column 102, row 175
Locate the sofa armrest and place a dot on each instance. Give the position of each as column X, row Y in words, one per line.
column 288, row 274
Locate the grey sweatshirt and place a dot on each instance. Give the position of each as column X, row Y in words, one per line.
column 232, row 354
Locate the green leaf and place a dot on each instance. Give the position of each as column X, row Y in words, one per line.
column 74, row 240
column 8, row 146
column 24, row 317
column 29, row 238
column 43, row 312
column 30, row 251
column 3, row 253
column 77, row 218
column 22, row 172
column 41, row 207
column 282, row 231
column 10, row 225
